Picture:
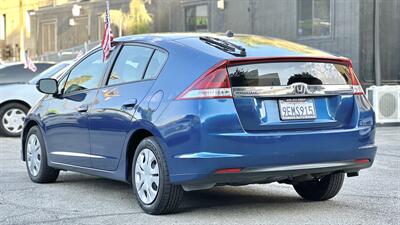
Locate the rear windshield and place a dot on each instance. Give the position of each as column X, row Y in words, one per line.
column 286, row 73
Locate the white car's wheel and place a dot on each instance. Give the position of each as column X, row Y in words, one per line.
column 12, row 118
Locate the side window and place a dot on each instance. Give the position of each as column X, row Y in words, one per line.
column 87, row 74
column 155, row 65
column 130, row 64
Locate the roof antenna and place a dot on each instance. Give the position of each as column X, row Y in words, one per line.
column 229, row 33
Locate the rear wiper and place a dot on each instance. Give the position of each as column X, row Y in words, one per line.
column 225, row 46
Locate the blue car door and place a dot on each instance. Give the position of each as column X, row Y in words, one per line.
column 66, row 121
column 129, row 80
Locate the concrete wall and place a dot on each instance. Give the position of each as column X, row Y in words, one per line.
column 367, row 42
column 390, row 40
column 279, row 19
column 389, row 26
column 352, row 32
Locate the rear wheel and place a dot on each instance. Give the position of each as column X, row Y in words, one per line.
column 12, row 118
column 322, row 189
column 150, row 180
column 36, row 158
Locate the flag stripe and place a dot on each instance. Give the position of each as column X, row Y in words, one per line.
column 107, row 36
column 28, row 63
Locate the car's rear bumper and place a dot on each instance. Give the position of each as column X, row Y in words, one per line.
column 275, row 157
column 289, row 173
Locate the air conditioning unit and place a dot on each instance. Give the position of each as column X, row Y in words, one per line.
column 386, row 103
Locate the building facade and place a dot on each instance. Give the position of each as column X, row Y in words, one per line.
column 58, row 29
column 341, row 27
column 16, row 24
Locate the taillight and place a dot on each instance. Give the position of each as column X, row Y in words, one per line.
column 212, row 84
column 357, row 88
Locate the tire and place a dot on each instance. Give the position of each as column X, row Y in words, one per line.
column 20, row 112
column 168, row 196
column 43, row 173
column 322, row 189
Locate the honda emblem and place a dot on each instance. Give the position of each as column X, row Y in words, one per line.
column 300, row 88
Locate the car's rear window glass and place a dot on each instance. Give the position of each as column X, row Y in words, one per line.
column 286, row 73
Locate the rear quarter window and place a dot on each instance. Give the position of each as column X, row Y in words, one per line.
column 156, row 64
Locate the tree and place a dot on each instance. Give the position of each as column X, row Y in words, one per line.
column 136, row 21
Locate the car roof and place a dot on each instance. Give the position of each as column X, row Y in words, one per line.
column 255, row 45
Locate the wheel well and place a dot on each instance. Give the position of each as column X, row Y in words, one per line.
column 15, row 101
column 28, row 126
column 134, row 141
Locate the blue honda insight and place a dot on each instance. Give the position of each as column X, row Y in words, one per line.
column 170, row 113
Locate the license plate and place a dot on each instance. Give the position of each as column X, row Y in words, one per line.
column 297, row 109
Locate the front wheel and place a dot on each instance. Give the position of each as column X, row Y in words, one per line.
column 150, row 180
column 36, row 158
column 321, row 189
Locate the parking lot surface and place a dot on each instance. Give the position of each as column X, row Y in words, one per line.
column 371, row 198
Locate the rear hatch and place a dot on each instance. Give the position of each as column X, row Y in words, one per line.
column 293, row 93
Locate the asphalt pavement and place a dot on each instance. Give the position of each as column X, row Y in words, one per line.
column 371, row 198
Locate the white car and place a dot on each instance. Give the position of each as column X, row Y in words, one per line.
column 17, row 98
column 16, row 73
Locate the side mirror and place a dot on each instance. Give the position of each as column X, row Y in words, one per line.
column 47, row 86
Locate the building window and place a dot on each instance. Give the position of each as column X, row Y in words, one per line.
column 196, row 18
column 49, row 37
column 314, row 18
column 3, row 27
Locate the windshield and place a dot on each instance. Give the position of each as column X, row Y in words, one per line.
column 50, row 72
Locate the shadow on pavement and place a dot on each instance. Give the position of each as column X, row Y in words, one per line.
column 218, row 197
column 234, row 196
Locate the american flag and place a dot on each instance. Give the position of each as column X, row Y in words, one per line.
column 28, row 63
column 108, row 36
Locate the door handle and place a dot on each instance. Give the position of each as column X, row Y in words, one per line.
column 130, row 104
column 83, row 108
